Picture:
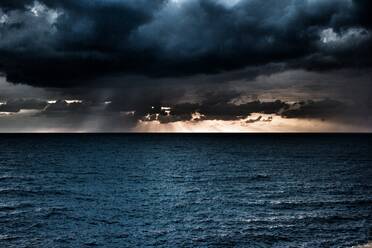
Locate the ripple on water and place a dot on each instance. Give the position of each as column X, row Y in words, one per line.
column 137, row 191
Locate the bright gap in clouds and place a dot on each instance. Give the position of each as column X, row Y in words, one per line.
column 256, row 123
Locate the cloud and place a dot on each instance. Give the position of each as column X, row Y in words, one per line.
column 317, row 109
column 350, row 37
column 74, row 43
column 68, row 115
column 323, row 109
column 220, row 108
column 14, row 106
column 62, row 106
column 17, row 91
column 184, row 60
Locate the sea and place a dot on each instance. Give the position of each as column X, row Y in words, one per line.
column 185, row 190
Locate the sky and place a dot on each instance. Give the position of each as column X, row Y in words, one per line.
column 185, row 66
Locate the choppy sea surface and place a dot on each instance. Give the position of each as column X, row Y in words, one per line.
column 185, row 190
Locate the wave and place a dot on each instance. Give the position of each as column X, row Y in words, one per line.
column 26, row 192
column 11, row 207
column 368, row 245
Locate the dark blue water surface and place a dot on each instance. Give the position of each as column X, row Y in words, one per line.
column 185, row 190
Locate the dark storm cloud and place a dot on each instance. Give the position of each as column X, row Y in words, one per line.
column 61, row 106
column 72, row 43
column 215, row 106
column 108, row 116
column 69, row 41
column 229, row 111
column 323, row 110
column 15, row 105
column 45, row 107
column 318, row 109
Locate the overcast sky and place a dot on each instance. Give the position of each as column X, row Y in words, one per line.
column 185, row 65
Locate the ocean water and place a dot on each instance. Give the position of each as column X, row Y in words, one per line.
column 185, row 190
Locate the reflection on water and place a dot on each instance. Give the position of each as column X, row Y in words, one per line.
column 185, row 190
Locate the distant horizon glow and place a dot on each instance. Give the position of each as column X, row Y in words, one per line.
column 277, row 124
